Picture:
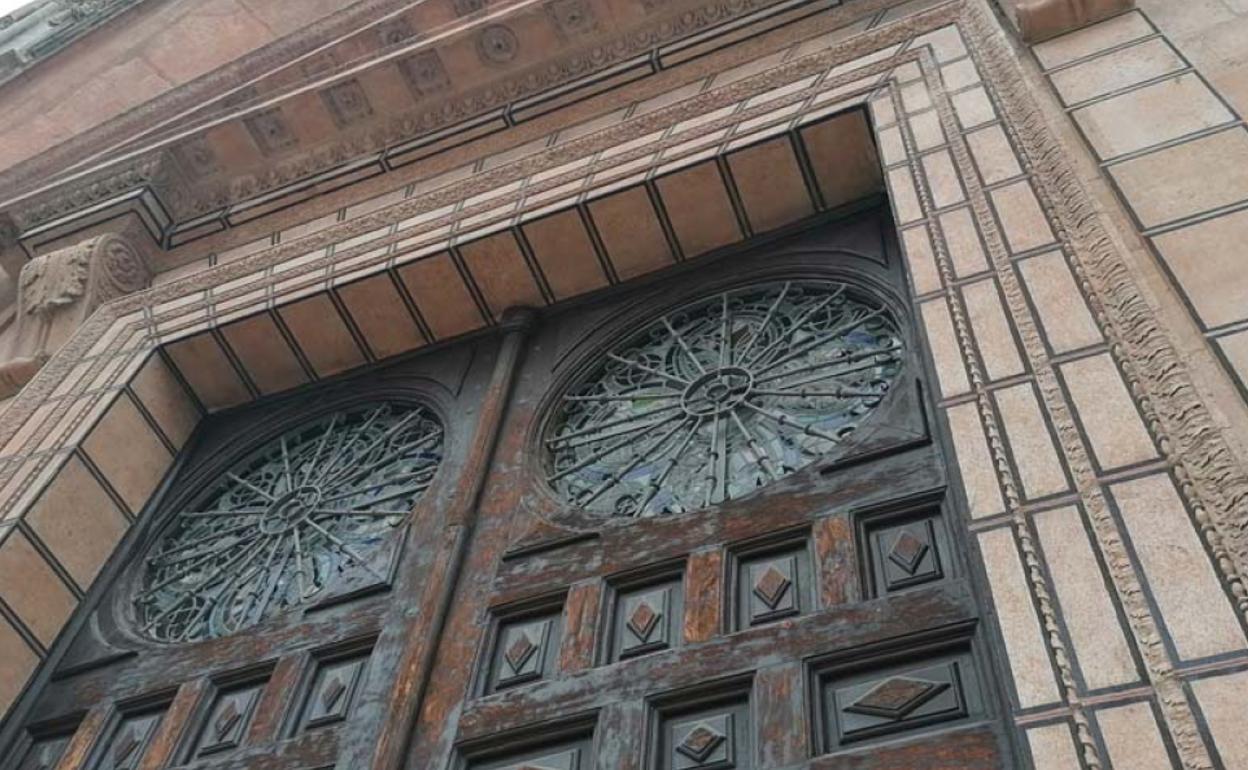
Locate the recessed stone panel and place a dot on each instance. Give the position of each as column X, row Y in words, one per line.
column 1151, row 115
column 1186, row 179
column 1100, row 642
column 1116, row 70
column 1132, row 738
column 1178, row 569
column 1034, row 681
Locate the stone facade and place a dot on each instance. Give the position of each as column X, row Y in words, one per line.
column 1070, row 210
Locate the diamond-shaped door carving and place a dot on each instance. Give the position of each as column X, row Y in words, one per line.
column 771, row 586
column 333, row 691
column 701, row 742
column 907, row 553
column 128, row 742
column 524, row 652
column 896, row 697
column 867, row 706
column 713, row 739
column 646, row 619
column 227, row 720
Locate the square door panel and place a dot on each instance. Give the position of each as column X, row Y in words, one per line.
column 713, row 737
column 128, row 741
column 333, row 691
column 907, row 552
column 773, row 585
column 646, row 618
column 898, row 698
column 525, row 650
column 226, row 722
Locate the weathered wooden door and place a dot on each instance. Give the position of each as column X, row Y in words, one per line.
column 719, row 532
column 700, row 523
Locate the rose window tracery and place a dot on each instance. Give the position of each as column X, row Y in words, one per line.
column 722, row 396
column 279, row 527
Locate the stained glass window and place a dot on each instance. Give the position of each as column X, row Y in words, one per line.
column 719, row 397
column 283, row 524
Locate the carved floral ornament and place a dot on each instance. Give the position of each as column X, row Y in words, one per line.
column 304, row 511
column 722, row 396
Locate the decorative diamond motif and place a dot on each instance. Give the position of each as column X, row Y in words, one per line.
column 896, row 697
column 519, row 651
column 907, row 552
column 771, row 586
column 226, row 719
column 332, row 692
column 721, row 396
column 643, row 620
column 125, row 745
column 307, row 510
column 699, row 742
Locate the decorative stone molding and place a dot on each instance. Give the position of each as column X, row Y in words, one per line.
column 37, row 31
column 1043, row 19
column 58, row 291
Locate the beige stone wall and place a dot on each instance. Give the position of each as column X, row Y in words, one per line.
column 135, row 58
column 1096, row 425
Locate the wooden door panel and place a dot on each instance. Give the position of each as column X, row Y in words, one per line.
column 844, row 578
column 823, row 620
column 305, row 684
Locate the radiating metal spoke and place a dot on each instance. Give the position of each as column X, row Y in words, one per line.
column 638, row 457
column 794, row 328
column 344, row 514
column 769, row 364
column 566, row 438
column 649, row 370
column 683, row 345
column 787, row 421
column 817, row 378
column 762, row 327
column 837, row 331
column 338, row 486
column 223, row 514
column 764, row 459
column 656, row 485
column 838, row 393
column 346, row 549
column 244, row 482
column 644, row 396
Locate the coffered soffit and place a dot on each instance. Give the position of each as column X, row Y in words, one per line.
column 401, row 89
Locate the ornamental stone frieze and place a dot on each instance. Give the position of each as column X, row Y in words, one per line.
column 38, row 30
column 58, row 291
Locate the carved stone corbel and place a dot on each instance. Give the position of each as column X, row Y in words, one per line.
column 59, row 290
column 1042, row 19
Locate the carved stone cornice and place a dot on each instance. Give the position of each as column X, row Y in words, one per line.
column 1042, row 19
column 31, row 34
column 184, row 181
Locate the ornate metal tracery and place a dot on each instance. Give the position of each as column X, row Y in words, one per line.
column 722, row 396
column 275, row 530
